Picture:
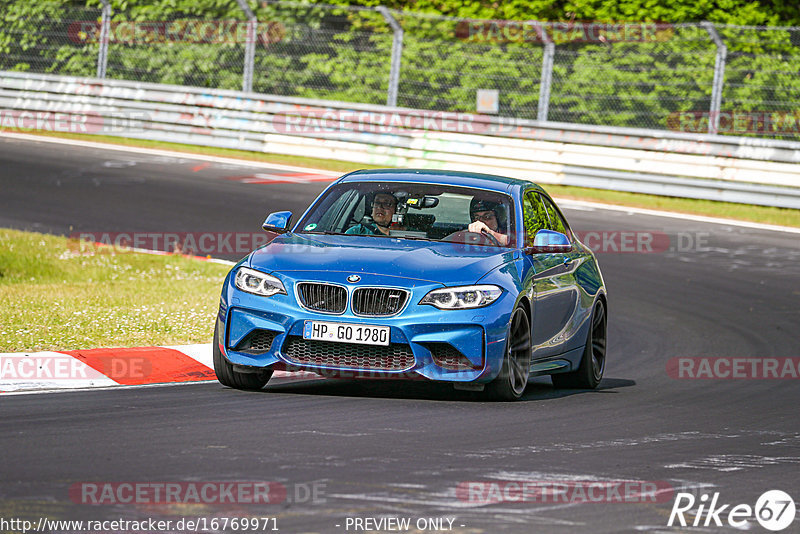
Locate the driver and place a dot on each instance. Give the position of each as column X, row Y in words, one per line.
column 384, row 206
column 485, row 219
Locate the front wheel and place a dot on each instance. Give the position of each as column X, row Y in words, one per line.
column 228, row 376
column 510, row 383
column 593, row 362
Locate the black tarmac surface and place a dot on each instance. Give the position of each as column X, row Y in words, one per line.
column 402, row 450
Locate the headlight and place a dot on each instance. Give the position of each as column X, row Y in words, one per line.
column 258, row 283
column 458, row 298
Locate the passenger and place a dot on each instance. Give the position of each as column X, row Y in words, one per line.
column 486, row 219
column 384, row 206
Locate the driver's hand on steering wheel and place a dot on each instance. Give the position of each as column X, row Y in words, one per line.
column 479, row 227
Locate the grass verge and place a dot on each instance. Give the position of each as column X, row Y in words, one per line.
column 710, row 208
column 52, row 297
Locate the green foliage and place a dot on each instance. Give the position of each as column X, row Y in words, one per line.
column 343, row 54
column 743, row 12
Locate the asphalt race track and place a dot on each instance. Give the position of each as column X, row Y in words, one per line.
column 406, row 450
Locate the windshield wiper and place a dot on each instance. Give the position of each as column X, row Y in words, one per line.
column 323, row 232
column 412, row 238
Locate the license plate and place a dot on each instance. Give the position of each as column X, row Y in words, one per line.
column 346, row 333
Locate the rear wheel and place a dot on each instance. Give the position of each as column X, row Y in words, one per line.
column 593, row 362
column 228, row 376
column 510, row 383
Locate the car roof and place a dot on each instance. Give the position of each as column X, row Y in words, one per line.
column 489, row 182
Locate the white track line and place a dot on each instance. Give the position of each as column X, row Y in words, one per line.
column 169, row 153
column 687, row 217
column 265, row 165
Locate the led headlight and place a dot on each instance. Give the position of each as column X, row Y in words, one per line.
column 459, row 298
column 258, row 283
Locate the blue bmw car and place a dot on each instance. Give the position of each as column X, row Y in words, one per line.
column 469, row 279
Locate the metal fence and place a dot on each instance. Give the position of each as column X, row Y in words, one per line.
column 696, row 78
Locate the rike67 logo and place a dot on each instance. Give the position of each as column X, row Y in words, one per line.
column 774, row 510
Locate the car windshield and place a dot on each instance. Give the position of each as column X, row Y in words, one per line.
column 413, row 211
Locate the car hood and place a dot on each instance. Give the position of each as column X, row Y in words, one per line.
column 430, row 261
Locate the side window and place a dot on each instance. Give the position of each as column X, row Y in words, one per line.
column 557, row 222
column 534, row 215
column 335, row 217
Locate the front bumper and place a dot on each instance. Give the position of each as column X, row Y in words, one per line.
column 424, row 334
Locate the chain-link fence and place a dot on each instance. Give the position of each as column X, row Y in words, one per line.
column 685, row 77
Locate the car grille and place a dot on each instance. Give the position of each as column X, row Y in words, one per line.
column 378, row 301
column 256, row 342
column 325, row 298
column 447, row 356
column 395, row 357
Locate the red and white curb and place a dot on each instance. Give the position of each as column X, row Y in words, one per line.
column 103, row 368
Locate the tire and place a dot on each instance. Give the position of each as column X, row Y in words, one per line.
column 227, row 376
column 593, row 363
column 510, row 383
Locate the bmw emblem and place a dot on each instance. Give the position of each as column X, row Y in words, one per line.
column 353, row 278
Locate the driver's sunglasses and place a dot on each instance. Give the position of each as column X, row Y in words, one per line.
column 486, row 217
column 383, row 204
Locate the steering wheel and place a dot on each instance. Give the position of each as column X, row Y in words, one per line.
column 472, row 238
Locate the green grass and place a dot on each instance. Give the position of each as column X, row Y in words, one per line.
column 744, row 212
column 55, row 296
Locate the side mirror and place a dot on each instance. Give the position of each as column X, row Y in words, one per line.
column 278, row 222
column 549, row 241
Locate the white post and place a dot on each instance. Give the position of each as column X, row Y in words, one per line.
column 719, row 77
column 249, row 47
column 397, row 52
column 102, row 55
column 547, row 76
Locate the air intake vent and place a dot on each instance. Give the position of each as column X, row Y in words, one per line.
column 395, row 357
column 447, row 356
column 378, row 301
column 256, row 342
column 326, row 298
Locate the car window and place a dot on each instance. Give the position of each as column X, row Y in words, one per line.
column 557, row 222
column 534, row 215
column 409, row 210
column 339, row 209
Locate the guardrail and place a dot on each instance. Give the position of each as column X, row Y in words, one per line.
column 733, row 169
